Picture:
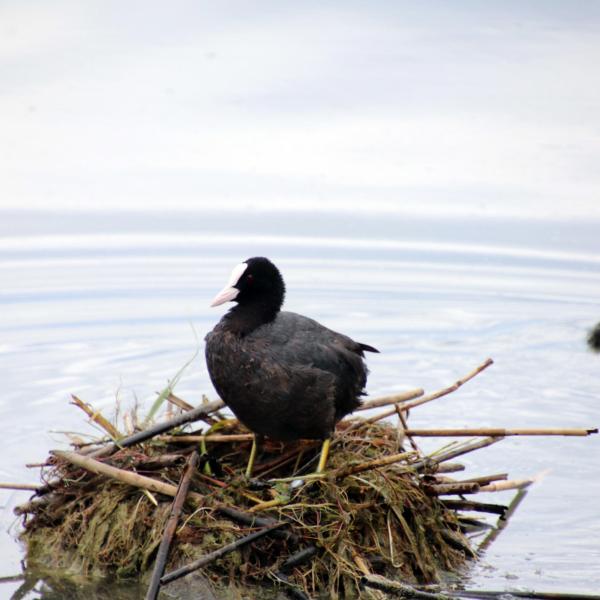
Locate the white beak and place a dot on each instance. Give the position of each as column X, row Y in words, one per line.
column 230, row 292
column 225, row 295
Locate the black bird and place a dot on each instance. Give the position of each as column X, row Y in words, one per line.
column 284, row 375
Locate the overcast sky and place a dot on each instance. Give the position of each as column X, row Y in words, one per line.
column 421, row 107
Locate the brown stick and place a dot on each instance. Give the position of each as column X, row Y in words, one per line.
column 496, row 432
column 208, row 558
column 169, row 532
column 394, row 399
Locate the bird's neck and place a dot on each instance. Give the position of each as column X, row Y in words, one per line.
column 244, row 319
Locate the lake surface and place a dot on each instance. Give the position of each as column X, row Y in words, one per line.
column 110, row 305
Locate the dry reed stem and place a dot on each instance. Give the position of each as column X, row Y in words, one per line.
column 211, row 437
column 464, row 449
column 496, row 432
column 515, row 484
column 179, row 402
column 366, row 466
column 31, row 487
column 394, row 399
column 440, row 489
column 96, row 417
column 448, row 467
column 127, row 477
column 435, row 395
column 490, row 431
column 485, row 479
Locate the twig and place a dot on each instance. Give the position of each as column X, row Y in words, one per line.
column 450, row 454
column 298, row 558
column 490, row 595
column 451, row 488
column 515, row 484
column 252, row 520
column 127, row 477
column 188, row 417
column 394, row 399
column 404, row 424
column 208, row 558
column 435, row 395
column 169, row 532
column 448, row 467
column 485, row 479
column 496, row 432
column 179, row 402
column 451, row 388
column 96, row 417
column 457, row 541
column 31, row 487
column 211, row 437
column 497, row 509
column 366, row 466
column 396, row 588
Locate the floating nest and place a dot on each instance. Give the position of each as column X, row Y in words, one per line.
column 379, row 512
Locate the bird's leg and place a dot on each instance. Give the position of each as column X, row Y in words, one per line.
column 324, row 455
column 252, row 457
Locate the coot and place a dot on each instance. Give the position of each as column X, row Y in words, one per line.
column 283, row 375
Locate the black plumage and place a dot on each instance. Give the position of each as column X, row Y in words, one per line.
column 282, row 374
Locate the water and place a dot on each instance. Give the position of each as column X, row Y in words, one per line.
column 109, row 305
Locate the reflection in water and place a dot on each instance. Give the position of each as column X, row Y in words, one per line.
column 110, row 306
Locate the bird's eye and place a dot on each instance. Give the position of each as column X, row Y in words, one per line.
column 249, row 278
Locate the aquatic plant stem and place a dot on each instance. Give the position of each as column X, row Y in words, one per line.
column 251, row 458
column 324, row 454
column 169, row 532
